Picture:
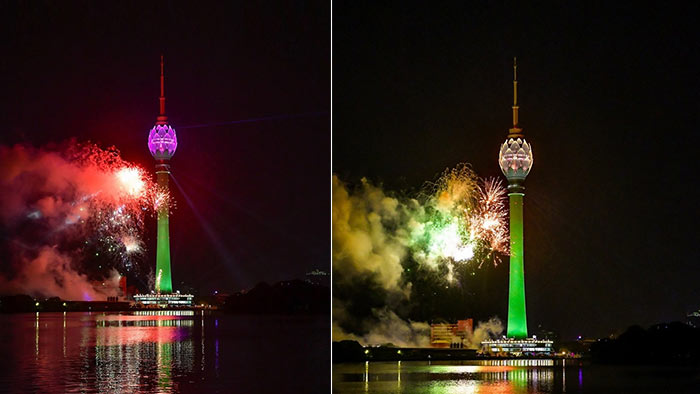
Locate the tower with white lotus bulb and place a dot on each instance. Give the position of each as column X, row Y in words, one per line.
column 515, row 159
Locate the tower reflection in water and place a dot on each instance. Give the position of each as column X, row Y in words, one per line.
column 506, row 376
column 140, row 351
column 83, row 352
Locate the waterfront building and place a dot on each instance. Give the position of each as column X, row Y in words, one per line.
column 164, row 300
column 446, row 335
column 693, row 318
column 517, row 347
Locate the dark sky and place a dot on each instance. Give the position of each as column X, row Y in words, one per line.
column 609, row 101
column 90, row 71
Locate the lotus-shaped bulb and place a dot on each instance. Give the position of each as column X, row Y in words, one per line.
column 515, row 158
column 162, row 142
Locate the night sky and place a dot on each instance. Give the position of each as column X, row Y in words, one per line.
column 259, row 190
column 609, row 101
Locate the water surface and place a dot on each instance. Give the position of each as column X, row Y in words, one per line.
column 510, row 376
column 163, row 352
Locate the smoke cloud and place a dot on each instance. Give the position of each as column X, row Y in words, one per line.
column 370, row 233
column 483, row 331
column 50, row 274
column 64, row 217
column 389, row 329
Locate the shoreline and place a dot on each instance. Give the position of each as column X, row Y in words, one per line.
column 359, row 353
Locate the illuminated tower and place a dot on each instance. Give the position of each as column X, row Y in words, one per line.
column 515, row 159
column 162, row 143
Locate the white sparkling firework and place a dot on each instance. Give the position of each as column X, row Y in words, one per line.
column 132, row 180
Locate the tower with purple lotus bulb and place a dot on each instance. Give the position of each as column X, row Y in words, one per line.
column 162, row 142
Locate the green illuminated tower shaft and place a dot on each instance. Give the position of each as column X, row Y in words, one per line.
column 515, row 159
column 517, row 319
column 164, row 282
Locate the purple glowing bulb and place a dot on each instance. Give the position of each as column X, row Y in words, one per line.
column 162, row 142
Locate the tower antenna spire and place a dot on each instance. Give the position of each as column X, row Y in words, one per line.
column 515, row 88
column 162, row 119
column 515, row 131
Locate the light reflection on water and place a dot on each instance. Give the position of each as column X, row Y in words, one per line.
column 157, row 352
column 474, row 376
column 512, row 376
column 119, row 352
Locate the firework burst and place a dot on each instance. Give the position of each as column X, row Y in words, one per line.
column 132, row 180
column 160, row 199
column 488, row 220
column 462, row 219
column 132, row 244
column 115, row 211
column 78, row 211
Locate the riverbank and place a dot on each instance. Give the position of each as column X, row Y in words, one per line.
column 352, row 351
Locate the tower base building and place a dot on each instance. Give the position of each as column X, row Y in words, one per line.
column 162, row 300
column 507, row 347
